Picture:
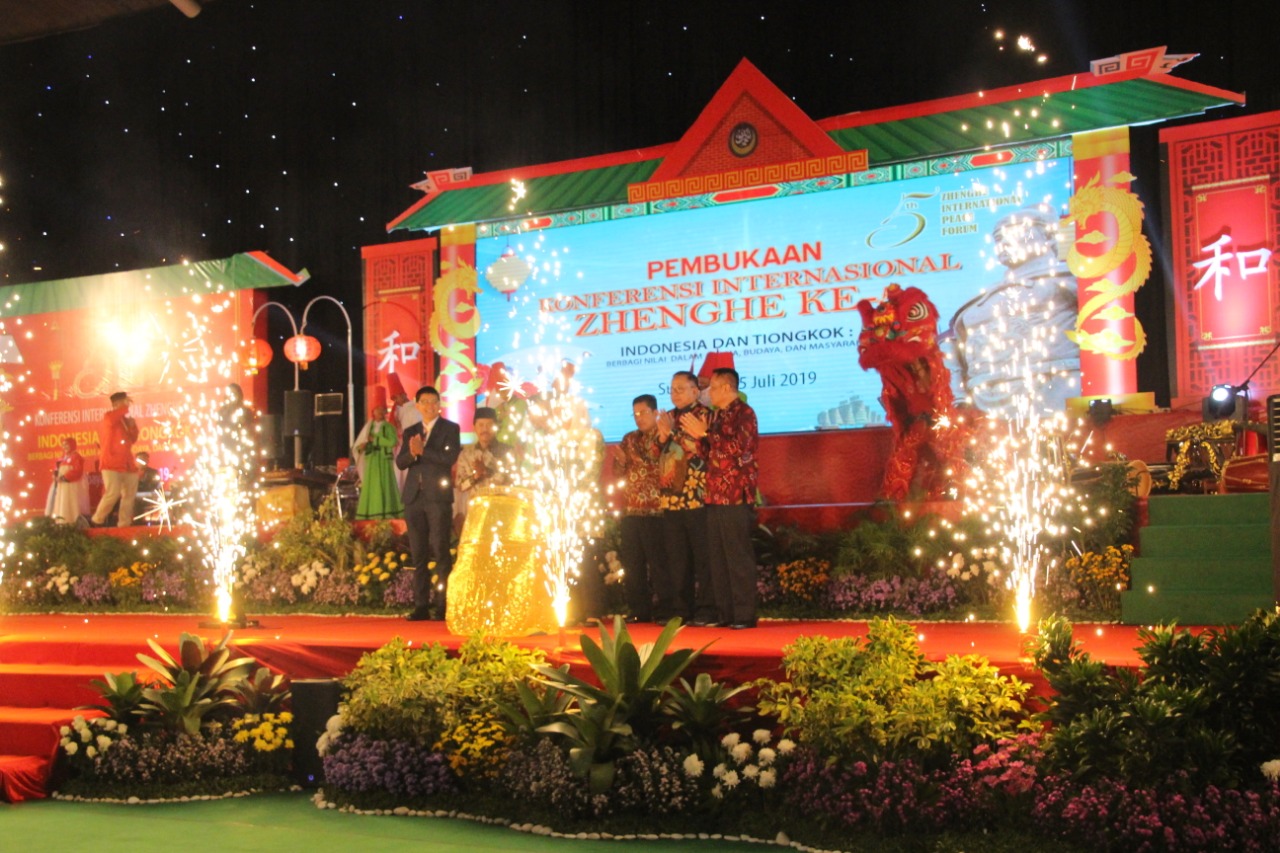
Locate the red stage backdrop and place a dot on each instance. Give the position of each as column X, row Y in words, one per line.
column 1225, row 206
column 67, row 345
column 398, row 283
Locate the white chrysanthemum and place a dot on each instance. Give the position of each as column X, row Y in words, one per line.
column 741, row 752
column 717, row 792
column 64, row 730
column 693, row 766
column 761, row 736
column 109, row 725
column 72, row 748
column 91, row 751
column 103, row 742
column 768, row 778
column 730, row 740
column 786, row 745
column 730, row 779
column 766, row 757
column 1271, row 769
column 957, row 560
column 122, row 729
column 750, row 771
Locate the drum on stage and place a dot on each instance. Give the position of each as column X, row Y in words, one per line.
column 497, row 587
column 1244, row 474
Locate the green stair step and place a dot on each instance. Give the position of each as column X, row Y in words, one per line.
column 1249, row 508
column 1251, row 576
column 1226, row 542
column 1138, row 607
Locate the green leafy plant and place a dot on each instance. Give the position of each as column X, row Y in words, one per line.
column 625, row 709
column 703, row 712
column 264, row 692
column 200, row 683
column 122, row 697
column 1206, row 710
column 419, row 694
column 878, row 699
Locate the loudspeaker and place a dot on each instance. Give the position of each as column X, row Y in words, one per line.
column 298, row 408
column 269, row 437
column 315, row 700
column 1273, row 466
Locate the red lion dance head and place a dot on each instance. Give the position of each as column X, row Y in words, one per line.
column 900, row 341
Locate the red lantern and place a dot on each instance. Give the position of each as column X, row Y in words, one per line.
column 302, row 350
column 259, row 355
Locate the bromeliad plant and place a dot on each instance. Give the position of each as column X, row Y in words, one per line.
column 200, row 683
column 626, row 710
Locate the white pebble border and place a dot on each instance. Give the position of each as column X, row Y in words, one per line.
column 781, row 840
column 194, row 798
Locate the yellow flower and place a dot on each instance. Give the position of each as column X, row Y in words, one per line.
column 364, row 579
column 383, row 576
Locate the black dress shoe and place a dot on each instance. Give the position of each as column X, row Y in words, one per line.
column 738, row 626
column 421, row 614
column 705, row 623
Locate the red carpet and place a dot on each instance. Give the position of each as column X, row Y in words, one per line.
column 321, row 646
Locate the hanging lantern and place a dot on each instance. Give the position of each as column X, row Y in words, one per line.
column 302, row 350
column 258, row 356
column 508, row 272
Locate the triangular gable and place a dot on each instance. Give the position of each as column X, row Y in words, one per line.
column 749, row 123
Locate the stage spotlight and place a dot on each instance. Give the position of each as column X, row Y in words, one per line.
column 1224, row 401
column 1101, row 411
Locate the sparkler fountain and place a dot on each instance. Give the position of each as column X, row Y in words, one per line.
column 210, row 431
column 1021, row 489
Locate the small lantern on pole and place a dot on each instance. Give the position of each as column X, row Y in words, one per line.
column 259, row 355
column 302, row 350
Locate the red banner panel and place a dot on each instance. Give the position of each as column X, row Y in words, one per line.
column 1234, row 285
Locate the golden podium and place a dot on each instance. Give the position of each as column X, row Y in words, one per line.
column 497, row 587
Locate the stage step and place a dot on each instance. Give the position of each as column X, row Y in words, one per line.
column 33, row 685
column 1205, row 560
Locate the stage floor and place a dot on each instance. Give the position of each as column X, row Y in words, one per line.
column 306, row 646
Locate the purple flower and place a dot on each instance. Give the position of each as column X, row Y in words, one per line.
column 92, row 589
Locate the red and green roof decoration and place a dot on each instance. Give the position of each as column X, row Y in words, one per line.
column 751, row 135
column 247, row 270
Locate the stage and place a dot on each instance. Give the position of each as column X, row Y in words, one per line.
column 305, row 646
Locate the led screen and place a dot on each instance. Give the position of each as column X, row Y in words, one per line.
column 775, row 283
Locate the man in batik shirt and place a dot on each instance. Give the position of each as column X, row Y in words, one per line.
column 487, row 462
column 729, row 439
column 682, row 478
column 642, row 553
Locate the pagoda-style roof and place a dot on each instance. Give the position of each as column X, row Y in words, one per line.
column 1013, row 115
column 247, row 270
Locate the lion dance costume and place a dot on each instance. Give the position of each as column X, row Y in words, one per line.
column 900, row 341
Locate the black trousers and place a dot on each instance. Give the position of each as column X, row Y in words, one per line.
column 430, row 526
column 644, row 557
column 733, row 561
column 686, row 589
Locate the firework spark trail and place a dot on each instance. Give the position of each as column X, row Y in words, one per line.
column 1021, row 487
column 219, row 448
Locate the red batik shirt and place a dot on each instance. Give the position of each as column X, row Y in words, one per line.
column 639, row 461
column 730, row 447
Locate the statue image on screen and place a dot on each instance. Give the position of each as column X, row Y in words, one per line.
column 1012, row 340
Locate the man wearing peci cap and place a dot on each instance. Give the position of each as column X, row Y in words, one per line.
column 487, row 462
column 116, row 435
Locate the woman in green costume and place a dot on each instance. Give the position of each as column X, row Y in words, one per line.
column 376, row 448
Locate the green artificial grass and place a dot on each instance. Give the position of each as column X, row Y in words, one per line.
column 276, row 823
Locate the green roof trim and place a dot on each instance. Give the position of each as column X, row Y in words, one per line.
column 244, row 271
column 968, row 126
column 1126, row 102
column 548, row 194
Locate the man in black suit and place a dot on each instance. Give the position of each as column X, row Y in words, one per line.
column 426, row 456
